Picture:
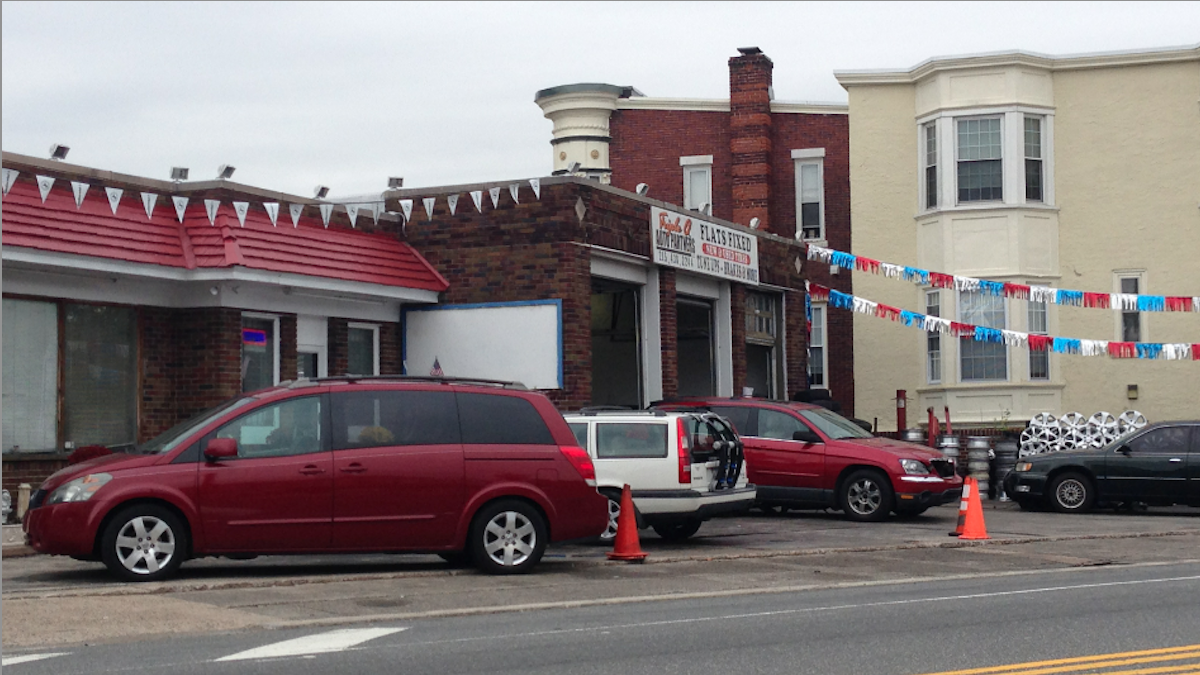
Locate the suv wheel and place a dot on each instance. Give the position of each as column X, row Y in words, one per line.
column 144, row 542
column 678, row 530
column 866, row 495
column 1071, row 493
column 507, row 537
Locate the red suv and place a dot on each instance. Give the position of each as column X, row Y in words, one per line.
column 801, row 455
column 488, row 472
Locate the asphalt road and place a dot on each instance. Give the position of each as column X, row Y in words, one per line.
column 891, row 627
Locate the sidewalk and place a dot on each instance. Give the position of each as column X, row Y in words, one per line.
column 14, row 542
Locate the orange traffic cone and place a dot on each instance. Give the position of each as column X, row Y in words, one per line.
column 626, row 545
column 962, row 507
column 974, row 527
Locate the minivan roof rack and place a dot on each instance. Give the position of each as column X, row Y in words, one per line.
column 597, row 409
column 350, row 379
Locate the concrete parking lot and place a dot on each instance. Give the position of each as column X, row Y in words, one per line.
column 51, row 601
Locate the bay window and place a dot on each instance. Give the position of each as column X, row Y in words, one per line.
column 982, row 361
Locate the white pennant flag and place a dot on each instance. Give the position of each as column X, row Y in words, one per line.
column 149, row 199
column 240, row 208
column 272, row 212
column 114, row 197
column 406, row 208
column 295, row 210
column 326, row 211
column 10, row 177
column 536, row 184
column 452, row 202
column 429, row 203
column 513, row 190
column 495, row 194
column 211, row 206
column 44, row 185
column 477, row 197
column 352, row 211
column 80, row 189
column 180, row 206
column 376, row 209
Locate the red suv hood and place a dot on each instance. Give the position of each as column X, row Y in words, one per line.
column 900, row 449
column 105, row 464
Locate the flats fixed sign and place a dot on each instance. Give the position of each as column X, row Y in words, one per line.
column 684, row 242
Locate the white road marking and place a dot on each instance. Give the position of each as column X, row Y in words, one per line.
column 322, row 643
column 26, row 658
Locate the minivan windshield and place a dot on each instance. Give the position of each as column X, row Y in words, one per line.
column 171, row 438
column 833, row 425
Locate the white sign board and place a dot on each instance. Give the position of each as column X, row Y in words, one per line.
column 681, row 241
column 512, row 341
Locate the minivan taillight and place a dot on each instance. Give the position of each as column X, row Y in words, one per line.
column 685, row 455
column 579, row 459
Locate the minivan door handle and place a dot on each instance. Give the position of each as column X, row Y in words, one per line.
column 1176, row 459
column 311, row 470
column 354, row 468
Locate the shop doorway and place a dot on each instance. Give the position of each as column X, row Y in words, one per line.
column 694, row 337
column 616, row 344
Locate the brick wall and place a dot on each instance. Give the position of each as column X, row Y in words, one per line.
column 750, row 140
column 669, row 325
column 33, row 470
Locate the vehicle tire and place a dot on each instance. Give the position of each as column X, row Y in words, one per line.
column 1072, row 493
column 507, row 537
column 455, row 558
column 609, row 534
column 866, row 496
column 144, row 542
column 1026, row 504
column 912, row 512
column 678, row 530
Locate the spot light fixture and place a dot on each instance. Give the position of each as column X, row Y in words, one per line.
column 58, row 152
column 225, row 171
column 320, row 192
column 179, row 173
column 642, row 189
column 395, row 183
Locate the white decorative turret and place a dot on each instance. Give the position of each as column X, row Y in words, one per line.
column 580, row 113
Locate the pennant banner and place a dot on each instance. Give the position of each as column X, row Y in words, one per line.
column 180, row 206
column 452, row 202
column 352, row 211
column 1034, row 342
column 376, row 209
column 79, row 189
column 211, row 206
column 536, row 184
column 149, row 199
column 477, row 197
column 10, row 177
column 295, row 210
column 1128, row 302
column 326, row 212
column 44, row 185
column 495, row 195
column 272, row 212
column 406, row 206
column 429, row 203
column 241, row 208
column 513, row 190
column 114, row 197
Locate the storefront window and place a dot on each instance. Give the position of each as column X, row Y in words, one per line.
column 30, row 356
column 259, row 353
column 99, row 375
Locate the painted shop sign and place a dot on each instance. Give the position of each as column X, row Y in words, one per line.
column 683, row 242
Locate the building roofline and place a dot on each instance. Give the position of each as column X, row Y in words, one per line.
column 1083, row 61
column 588, row 88
column 722, row 105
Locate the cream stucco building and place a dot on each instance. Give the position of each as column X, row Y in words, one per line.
column 1076, row 172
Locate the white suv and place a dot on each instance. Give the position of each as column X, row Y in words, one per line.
column 682, row 467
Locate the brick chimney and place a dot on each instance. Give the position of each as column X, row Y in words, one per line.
column 750, row 135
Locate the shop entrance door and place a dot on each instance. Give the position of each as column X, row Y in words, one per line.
column 616, row 347
column 694, row 325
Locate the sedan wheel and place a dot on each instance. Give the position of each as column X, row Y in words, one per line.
column 1071, row 493
column 144, row 543
column 508, row 537
column 866, row 496
column 614, row 513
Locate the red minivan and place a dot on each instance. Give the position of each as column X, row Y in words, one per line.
column 472, row 470
column 801, row 455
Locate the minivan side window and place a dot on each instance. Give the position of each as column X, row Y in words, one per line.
column 368, row 419
column 629, row 440
column 778, row 425
column 499, row 420
column 291, row 427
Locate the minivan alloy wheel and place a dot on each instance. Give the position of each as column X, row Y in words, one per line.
column 508, row 537
column 144, row 542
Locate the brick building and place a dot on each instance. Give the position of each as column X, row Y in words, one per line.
column 782, row 167
column 130, row 303
column 627, row 322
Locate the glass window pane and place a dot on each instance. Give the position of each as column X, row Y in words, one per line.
column 982, row 360
column 698, row 188
column 980, row 181
column 1033, row 180
column 630, row 440
column 361, row 351
column 777, row 425
column 291, row 427
column 1033, row 138
column 368, row 419
column 817, row 335
column 1129, row 285
column 30, row 403
column 1131, row 327
column 1039, row 365
column 810, row 183
column 1037, row 316
column 258, row 354
column 99, row 375
column 499, row 419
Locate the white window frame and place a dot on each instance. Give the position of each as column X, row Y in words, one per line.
column 958, row 160
column 923, row 131
column 374, row 328
column 274, row 319
column 930, row 353
column 1119, row 314
column 823, row 310
column 1026, row 158
column 693, row 164
column 1012, row 131
column 810, row 157
column 1007, row 355
column 1045, row 330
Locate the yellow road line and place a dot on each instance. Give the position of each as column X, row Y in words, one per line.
column 1084, row 662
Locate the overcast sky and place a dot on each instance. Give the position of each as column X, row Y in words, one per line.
column 346, row 94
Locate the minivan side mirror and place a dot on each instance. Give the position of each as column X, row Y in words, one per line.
column 807, row 436
column 221, row 448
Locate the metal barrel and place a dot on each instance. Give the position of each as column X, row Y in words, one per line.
column 977, row 461
column 949, row 446
column 1007, row 450
column 913, row 436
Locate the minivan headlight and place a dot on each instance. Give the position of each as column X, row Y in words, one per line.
column 914, row 467
column 1023, row 466
column 80, row 489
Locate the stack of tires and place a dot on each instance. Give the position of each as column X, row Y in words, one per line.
column 1007, row 450
column 977, row 461
column 950, row 448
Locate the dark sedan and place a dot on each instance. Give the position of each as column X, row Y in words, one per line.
column 1158, row 466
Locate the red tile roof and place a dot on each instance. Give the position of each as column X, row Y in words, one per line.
column 309, row 249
